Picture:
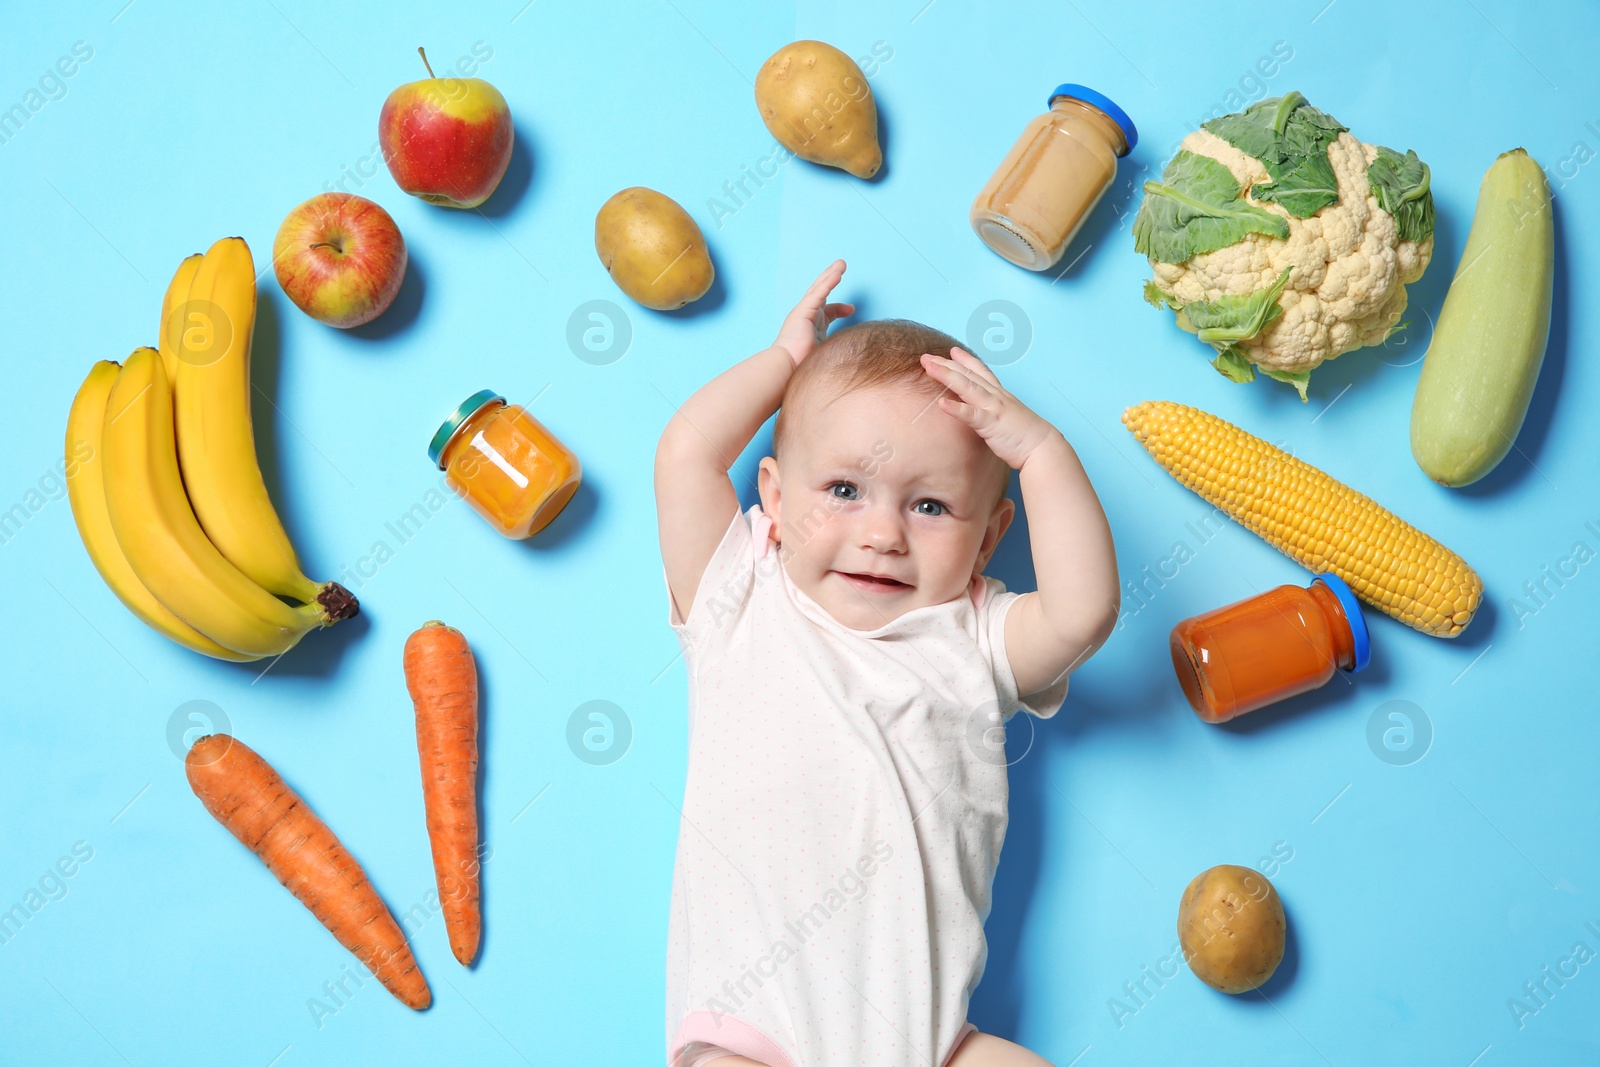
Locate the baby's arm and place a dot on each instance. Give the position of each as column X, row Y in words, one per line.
column 695, row 500
column 1073, row 613
column 1075, row 609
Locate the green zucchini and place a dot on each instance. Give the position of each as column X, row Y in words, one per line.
column 1480, row 369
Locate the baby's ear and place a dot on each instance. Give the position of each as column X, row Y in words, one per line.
column 771, row 493
column 999, row 522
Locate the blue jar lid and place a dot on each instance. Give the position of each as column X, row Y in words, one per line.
column 448, row 428
column 1352, row 613
column 1089, row 96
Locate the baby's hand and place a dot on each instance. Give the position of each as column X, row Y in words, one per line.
column 1009, row 427
column 808, row 323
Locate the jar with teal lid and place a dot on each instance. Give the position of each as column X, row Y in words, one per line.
column 505, row 464
column 1036, row 201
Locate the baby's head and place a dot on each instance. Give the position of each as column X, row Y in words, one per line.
column 883, row 502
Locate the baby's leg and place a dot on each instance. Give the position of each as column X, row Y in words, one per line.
column 986, row 1050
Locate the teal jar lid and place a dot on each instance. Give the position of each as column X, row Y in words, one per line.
column 448, row 428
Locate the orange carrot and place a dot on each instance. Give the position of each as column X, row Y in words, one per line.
column 443, row 680
column 244, row 794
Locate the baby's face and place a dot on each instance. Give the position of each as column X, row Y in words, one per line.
column 883, row 503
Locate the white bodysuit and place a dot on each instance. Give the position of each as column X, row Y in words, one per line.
column 842, row 819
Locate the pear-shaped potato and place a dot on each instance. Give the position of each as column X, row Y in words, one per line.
column 817, row 103
column 652, row 249
column 1231, row 927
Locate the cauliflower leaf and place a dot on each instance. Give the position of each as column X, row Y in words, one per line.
column 1298, row 379
column 1196, row 207
column 1400, row 184
column 1232, row 364
column 1229, row 319
column 1290, row 138
column 1158, row 297
column 1226, row 321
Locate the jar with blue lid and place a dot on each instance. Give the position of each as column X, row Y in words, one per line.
column 1269, row 647
column 1038, row 198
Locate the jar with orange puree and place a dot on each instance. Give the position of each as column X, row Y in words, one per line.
column 505, row 464
column 1269, row 647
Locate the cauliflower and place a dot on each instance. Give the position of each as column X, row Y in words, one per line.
column 1283, row 241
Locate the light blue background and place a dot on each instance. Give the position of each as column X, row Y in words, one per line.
column 1421, row 898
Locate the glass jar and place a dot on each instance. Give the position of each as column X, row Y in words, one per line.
column 1038, row 198
column 1269, row 647
column 505, row 464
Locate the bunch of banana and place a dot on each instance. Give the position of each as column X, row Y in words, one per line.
column 170, row 502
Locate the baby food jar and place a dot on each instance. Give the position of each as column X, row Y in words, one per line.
column 1269, row 647
column 504, row 463
column 1055, row 174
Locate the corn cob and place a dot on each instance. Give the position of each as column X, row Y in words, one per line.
column 1311, row 517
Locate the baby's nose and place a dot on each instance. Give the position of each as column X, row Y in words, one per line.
column 884, row 531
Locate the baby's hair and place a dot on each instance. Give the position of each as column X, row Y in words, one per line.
column 863, row 355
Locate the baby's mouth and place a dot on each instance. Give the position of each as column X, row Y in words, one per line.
column 878, row 583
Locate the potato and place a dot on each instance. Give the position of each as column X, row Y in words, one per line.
column 652, row 249
column 1231, row 927
column 817, row 103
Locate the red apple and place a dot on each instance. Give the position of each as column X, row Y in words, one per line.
column 447, row 140
column 340, row 258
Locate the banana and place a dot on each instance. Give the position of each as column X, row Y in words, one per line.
column 216, row 444
column 86, row 491
column 174, row 325
column 160, row 536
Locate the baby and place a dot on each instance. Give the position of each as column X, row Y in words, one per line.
column 850, row 670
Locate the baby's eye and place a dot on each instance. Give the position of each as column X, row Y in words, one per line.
column 928, row 507
column 844, row 491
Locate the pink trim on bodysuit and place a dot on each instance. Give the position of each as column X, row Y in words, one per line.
column 728, row 1036
column 735, row 1038
column 760, row 529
